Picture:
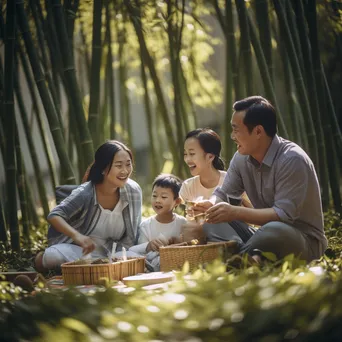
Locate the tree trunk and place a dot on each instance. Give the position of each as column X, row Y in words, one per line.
column 45, row 96
column 8, row 107
column 94, row 103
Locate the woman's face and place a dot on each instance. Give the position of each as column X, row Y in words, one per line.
column 195, row 157
column 120, row 171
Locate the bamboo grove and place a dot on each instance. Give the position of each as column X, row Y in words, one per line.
column 73, row 51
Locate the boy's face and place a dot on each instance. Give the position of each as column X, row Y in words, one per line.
column 163, row 200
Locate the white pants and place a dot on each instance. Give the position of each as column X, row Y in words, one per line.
column 57, row 255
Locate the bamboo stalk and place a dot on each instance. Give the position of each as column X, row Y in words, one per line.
column 245, row 46
column 296, row 71
column 46, row 100
column 3, row 233
column 226, row 27
column 25, row 220
column 264, row 71
column 110, row 74
column 152, row 149
column 8, row 107
column 72, row 85
column 44, row 59
column 135, row 17
column 94, row 103
column 263, row 21
column 31, row 146
column 316, row 113
column 174, row 59
column 42, row 131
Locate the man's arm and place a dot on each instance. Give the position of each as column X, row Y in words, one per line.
column 224, row 212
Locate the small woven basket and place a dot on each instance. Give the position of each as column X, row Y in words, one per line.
column 88, row 274
column 174, row 257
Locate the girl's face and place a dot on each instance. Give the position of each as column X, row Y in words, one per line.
column 120, row 171
column 163, row 200
column 195, row 157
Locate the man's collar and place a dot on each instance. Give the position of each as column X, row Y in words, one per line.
column 270, row 154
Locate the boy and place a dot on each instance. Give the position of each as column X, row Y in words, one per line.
column 164, row 228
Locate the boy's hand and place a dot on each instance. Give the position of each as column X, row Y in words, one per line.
column 154, row 245
column 173, row 240
column 192, row 230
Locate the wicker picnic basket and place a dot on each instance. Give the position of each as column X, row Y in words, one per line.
column 173, row 257
column 90, row 274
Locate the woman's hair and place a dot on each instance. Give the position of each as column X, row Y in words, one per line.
column 104, row 157
column 210, row 142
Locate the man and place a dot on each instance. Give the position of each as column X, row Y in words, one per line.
column 279, row 179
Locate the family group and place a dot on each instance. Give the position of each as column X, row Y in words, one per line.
column 268, row 200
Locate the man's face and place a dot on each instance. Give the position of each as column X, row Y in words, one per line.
column 247, row 142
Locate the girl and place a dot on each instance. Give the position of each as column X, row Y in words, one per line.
column 104, row 210
column 202, row 148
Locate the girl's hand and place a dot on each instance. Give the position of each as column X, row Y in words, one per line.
column 154, row 245
column 201, row 207
column 85, row 242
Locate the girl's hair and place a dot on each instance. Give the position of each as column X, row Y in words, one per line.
column 210, row 142
column 104, row 157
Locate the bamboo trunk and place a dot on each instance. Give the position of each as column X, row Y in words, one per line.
column 40, row 122
column 43, row 91
column 135, row 17
column 94, row 103
column 25, row 221
column 110, row 74
column 174, row 61
column 72, row 85
column 154, row 159
column 245, row 46
column 263, row 21
column 316, row 113
column 296, row 71
column 264, row 71
column 31, row 146
column 44, row 59
column 3, row 232
column 8, row 107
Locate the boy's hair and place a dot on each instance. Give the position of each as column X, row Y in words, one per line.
column 168, row 181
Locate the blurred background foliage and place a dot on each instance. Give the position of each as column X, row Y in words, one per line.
column 74, row 73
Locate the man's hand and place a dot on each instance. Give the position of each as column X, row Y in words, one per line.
column 221, row 212
column 154, row 245
column 201, row 207
column 85, row 242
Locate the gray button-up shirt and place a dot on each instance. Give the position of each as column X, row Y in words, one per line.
column 286, row 181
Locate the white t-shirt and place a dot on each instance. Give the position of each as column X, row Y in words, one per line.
column 109, row 226
column 192, row 188
column 151, row 229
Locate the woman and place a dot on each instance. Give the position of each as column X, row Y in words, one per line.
column 105, row 209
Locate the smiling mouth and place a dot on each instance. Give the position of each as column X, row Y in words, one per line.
column 123, row 178
column 192, row 167
column 158, row 207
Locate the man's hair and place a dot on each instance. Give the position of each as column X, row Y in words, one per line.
column 258, row 112
column 168, row 181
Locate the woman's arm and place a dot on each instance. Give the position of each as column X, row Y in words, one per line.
column 63, row 227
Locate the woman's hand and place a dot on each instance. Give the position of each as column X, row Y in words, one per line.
column 85, row 242
column 154, row 245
